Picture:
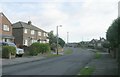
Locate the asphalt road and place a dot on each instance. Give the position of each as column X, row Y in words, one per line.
column 63, row 65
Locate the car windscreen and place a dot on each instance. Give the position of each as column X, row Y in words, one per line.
column 10, row 44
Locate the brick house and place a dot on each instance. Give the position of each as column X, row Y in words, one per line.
column 26, row 34
column 5, row 29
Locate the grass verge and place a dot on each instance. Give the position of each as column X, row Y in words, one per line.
column 53, row 55
column 87, row 71
column 97, row 55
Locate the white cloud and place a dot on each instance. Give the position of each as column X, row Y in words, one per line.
column 81, row 18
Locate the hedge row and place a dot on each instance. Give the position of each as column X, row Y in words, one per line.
column 37, row 48
column 7, row 51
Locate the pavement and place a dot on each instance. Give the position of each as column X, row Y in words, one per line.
column 25, row 59
column 20, row 60
column 105, row 65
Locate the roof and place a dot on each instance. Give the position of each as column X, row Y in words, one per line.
column 25, row 25
column 93, row 41
column 1, row 14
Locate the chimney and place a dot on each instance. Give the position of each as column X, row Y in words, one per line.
column 29, row 22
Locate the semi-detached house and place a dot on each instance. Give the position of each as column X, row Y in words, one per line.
column 26, row 34
column 5, row 29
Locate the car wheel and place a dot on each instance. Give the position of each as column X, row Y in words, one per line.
column 20, row 55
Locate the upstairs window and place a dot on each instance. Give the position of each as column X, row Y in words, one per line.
column 39, row 33
column 44, row 34
column 25, row 30
column 6, row 28
column 32, row 32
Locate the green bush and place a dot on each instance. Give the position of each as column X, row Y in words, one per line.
column 37, row 48
column 44, row 48
column 6, row 50
column 34, row 49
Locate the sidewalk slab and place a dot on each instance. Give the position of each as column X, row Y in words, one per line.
column 105, row 65
column 8, row 62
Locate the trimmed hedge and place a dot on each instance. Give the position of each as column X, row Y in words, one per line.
column 7, row 51
column 37, row 48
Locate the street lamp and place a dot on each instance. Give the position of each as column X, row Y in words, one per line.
column 57, row 37
column 67, row 37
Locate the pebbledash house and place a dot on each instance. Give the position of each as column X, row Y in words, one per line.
column 26, row 34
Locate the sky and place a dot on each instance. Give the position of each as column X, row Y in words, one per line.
column 83, row 19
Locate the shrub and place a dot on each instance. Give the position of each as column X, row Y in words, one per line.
column 34, row 49
column 7, row 51
column 37, row 48
column 44, row 48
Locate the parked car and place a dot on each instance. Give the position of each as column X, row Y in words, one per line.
column 19, row 51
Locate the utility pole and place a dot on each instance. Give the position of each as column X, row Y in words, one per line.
column 57, row 37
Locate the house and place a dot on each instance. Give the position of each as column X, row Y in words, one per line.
column 26, row 34
column 93, row 43
column 72, row 44
column 5, row 29
column 100, row 42
column 97, row 43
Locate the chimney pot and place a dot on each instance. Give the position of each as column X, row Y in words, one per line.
column 29, row 22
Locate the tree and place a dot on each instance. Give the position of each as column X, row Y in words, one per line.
column 61, row 42
column 51, row 37
column 113, row 33
column 53, row 41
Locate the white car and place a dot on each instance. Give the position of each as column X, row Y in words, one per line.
column 19, row 51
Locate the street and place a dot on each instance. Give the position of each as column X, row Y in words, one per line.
column 63, row 65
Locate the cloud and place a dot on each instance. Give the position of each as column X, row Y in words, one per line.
column 81, row 18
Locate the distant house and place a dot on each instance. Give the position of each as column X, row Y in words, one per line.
column 5, row 29
column 84, row 43
column 72, row 44
column 100, row 42
column 97, row 43
column 93, row 43
column 26, row 34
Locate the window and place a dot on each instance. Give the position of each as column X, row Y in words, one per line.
column 33, row 41
column 25, row 30
column 32, row 32
column 6, row 28
column 44, row 34
column 26, row 42
column 39, row 33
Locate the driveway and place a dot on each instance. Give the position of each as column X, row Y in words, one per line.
column 63, row 65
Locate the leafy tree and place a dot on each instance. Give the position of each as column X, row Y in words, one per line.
column 113, row 33
column 61, row 42
column 51, row 37
column 53, row 41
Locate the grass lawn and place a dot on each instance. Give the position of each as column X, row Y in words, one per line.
column 87, row 71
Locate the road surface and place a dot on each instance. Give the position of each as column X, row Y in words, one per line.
column 63, row 65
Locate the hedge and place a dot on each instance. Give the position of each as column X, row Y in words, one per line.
column 7, row 51
column 37, row 48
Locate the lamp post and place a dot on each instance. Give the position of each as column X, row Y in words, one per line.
column 57, row 37
column 67, row 37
